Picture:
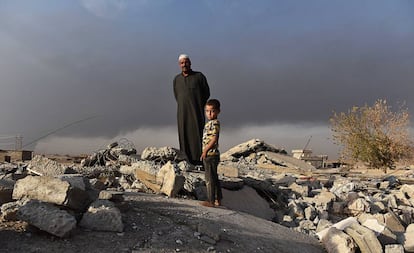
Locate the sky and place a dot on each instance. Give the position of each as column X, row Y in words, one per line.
column 78, row 75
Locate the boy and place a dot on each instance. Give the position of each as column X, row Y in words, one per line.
column 210, row 154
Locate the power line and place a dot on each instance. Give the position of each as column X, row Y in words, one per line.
column 58, row 129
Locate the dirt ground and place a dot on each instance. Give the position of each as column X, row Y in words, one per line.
column 154, row 223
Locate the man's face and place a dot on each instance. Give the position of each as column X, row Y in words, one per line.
column 185, row 64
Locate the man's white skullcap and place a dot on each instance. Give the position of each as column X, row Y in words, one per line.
column 183, row 56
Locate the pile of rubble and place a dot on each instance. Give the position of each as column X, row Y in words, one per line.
column 346, row 214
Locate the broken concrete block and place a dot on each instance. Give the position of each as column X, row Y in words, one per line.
column 301, row 190
column 358, row 206
column 146, row 172
column 408, row 238
column 246, row 148
column 339, row 225
column 9, row 210
column 43, row 166
column 75, row 180
column 114, row 196
column 162, row 154
column 338, row 241
column 227, row 171
column 408, row 190
column 171, row 183
column 384, row 235
column 393, row 222
column 364, row 238
column 47, row 217
column 394, row 248
column 51, row 190
column 102, row 215
column 338, row 207
column 6, row 191
column 323, row 200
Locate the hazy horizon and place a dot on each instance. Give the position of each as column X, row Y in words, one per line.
column 279, row 68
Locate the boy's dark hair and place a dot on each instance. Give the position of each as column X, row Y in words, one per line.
column 214, row 103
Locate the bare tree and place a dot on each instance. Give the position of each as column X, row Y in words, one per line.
column 373, row 134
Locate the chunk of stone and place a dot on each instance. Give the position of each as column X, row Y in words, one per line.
column 301, row 190
column 43, row 166
column 162, row 154
column 102, row 215
column 9, row 210
column 6, row 190
column 358, row 206
column 338, row 241
column 51, row 190
column 364, row 238
column 146, row 172
column 111, row 195
column 408, row 238
column 47, row 217
column 385, row 236
column 339, row 225
column 394, row 248
column 246, row 148
column 227, row 171
column 408, row 190
column 393, row 222
column 323, row 200
column 171, row 183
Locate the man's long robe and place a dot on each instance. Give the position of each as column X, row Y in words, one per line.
column 191, row 93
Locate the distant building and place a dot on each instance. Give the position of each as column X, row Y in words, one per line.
column 15, row 155
column 318, row 161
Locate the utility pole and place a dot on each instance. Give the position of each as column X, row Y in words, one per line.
column 19, row 143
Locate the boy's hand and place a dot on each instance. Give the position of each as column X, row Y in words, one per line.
column 203, row 155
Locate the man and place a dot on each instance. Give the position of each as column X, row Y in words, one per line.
column 191, row 92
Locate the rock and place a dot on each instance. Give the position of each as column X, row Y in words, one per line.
column 6, row 191
column 407, row 238
column 146, row 172
column 232, row 184
column 358, row 206
column 102, row 215
column 364, row 238
column 162, row 155
column 394, row 248
column 339, row 225
column 9, row 210
column 385, row 236
column 114, row 196
column 338, row 242
column 51, row 190
column 288, row 161
column 408, row 190
column 393, row 222
column 227, row 171
column 47, row 217
column 43, row 166
column 246, row 148
column 301, row 190
column 169, row 180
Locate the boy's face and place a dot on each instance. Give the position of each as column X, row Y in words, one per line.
column 211, row 113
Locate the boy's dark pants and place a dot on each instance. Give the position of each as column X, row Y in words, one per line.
column 212, row 182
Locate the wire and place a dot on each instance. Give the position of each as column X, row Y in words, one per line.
column 58, row 129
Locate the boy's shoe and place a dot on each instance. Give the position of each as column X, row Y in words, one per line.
column 207, row 204
column 217, row 202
